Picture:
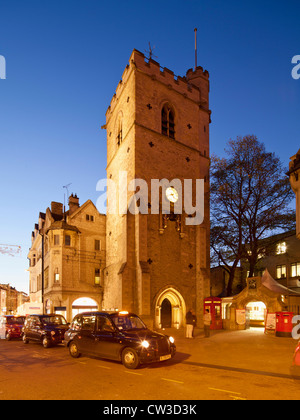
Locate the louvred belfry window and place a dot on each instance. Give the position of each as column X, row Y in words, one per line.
column 167, row 121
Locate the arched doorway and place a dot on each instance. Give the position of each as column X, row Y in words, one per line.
column 170, row 309
column 166, row 314
column 83, row 304
column 256, row 314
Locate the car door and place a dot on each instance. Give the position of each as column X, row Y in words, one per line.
column 35, row 328
column 85, row 338
column 107, row 339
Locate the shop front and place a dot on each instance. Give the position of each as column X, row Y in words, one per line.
column 257, row 304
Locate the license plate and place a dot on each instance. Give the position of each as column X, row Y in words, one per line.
column 166, row 357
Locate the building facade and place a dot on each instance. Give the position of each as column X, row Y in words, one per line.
column 11, row 299
column 294, row 174
column 157, row 260
column 67, row 257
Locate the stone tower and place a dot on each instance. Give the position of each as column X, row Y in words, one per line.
column 157, row 262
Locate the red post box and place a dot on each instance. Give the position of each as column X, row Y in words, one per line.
column 284, row 324
column 214, row 305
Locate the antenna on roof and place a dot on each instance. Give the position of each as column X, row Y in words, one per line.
column 66, row 187
column 195, row 30
column 150, row 52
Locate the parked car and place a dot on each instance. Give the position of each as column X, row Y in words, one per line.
column 13, row 326
column 119, row 336
column 47, row 329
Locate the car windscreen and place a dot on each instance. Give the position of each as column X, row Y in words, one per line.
column 128, row 322
column 54, row 320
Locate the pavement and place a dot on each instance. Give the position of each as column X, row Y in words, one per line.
column 248, row 350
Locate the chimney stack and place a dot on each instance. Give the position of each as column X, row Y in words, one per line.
column 73, row 203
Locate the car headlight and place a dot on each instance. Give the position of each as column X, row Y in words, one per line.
column 145, row 344
column 171, row 339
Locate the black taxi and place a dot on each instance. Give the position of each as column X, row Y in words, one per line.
column 119, row 336
column 46, row 329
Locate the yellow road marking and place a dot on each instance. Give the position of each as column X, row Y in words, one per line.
column 133, row 373
column 224, row 390
column 104, row 367
column 172, row 380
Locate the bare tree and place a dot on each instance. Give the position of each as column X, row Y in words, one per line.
column 250, row 197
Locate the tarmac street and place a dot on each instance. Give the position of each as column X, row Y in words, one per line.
column 229, row 365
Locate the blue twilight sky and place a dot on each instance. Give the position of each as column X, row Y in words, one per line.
column 64, row 59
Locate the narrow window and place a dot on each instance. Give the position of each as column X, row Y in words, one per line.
column 167, row 122
column 119, row 132
column 56, row 239
column 67, row 240
column 97, row 276
column 97, row 244
column 56, row 276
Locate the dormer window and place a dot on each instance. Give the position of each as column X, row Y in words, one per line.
column 167, row 121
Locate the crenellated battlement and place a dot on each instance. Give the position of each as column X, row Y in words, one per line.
column 195, row 85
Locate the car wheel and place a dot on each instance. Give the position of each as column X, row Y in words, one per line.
column 46, row 342
column 73, row 349
column 25, row 339
column 130, row 358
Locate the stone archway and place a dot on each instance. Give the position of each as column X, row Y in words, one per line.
column 169, row 309
column 256, row 312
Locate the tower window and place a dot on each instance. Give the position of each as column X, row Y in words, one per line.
column 119, row 132
column 167, row 121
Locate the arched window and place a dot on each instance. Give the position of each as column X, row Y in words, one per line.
column 167, row 121
column 119, row 131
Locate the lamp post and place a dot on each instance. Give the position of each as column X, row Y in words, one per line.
column 42, row 235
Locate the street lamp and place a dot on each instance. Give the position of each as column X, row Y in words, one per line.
column 42, row 235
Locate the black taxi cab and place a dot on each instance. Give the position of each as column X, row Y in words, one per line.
column 119, row 336
column 46, row 329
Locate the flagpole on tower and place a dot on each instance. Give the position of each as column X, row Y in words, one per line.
column 195, row 48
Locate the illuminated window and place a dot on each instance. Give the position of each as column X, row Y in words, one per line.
column 281, row 248
column 97, row 276
column 56, row 276
column 295, row 269
column 281, row 271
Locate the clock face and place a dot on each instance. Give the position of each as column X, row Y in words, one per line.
column 172, row 194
